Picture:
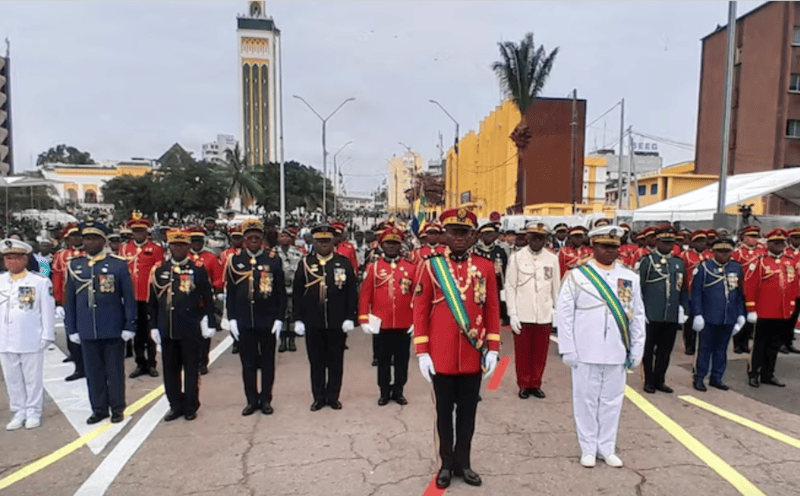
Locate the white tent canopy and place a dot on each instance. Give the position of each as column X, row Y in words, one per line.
column 701, row 204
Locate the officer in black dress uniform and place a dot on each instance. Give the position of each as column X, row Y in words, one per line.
column 181, row 308
column 325, row 303
column 488, row 248
column 256, row 304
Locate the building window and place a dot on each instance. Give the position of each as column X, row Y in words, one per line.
column 794, row 82
column 642, row 190
column 654, row 189
column 793, row 128
column 796, row 37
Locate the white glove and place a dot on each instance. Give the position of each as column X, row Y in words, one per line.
column 220, row 296
column 75, row 338
column 60, row 312
column 491, row 363
column 208, row 332
column 155, row 335
column 299, row 328
column 516, row 325
column 411, row 329
column 682, row 317
column 44, row 343
column 699, row 323
column 636, row 363
column 569, row 359
column 277, row 327
column 128, row 335
column 752, row 317
column 368, row 329
column 739, row 324
column 348, row 325
column 426, row 366
column 224, row 324
column 234, row 328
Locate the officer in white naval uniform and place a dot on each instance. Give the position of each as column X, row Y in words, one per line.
column 27, row 314
column 593, row 345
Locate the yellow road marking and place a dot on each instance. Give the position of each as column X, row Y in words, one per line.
column 743, row 421
column 60, row 453
column 708, row 457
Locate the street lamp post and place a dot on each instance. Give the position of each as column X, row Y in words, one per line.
column 336, row 180
column 324, row 150
column 458, row 198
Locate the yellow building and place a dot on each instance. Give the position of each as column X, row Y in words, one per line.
column 667, row 183
column 401, row 172
column 594, row 179
column 81, row 184
column 484, row 171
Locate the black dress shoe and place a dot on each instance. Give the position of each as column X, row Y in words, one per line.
column 648, row 388
column 523, row 394
column 190, row 416
column 317, row 405
column 746, row 349
column 664, row 388
column 718, row 385
column 689, row 351
column 698, row 384
column 773, row 381
column 249, row 410
column 792, row 349
column 335, row 404
column 74, row 377
column 203, row 369
column 537, row 392
column 170, row 416
column 470, row 477
column 267, row 409
column 400, row 399
column 290, row 346
column 783, row 349
column 283, row 347
column 235, row 347
column 443, row 478
column 383, row 400
column 95, row 418
column 374, row 362
column 138, row 371
column 118, row 417
column 738, row 350
column 153, row 372
column 753, row 382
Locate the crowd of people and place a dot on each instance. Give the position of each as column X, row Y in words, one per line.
column 444, row 292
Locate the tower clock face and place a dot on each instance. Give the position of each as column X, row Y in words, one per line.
column 255, row 9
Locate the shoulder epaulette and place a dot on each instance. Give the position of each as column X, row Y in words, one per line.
column 118, row 257
column 483, row 254
column 431, row 255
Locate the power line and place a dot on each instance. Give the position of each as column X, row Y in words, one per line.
column 604, row 114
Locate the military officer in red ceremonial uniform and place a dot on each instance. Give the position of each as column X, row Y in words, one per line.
column 202, row 254
column 560, row 233
column 691, row 258
column 142, row 254
column 237, row 241
column 456, row 338
column 770, row 292
column 576, row 252
column 648, row 237
column 626, row 249
column 792, row 251
column 71, row 234
column 433, row 233
column 748, row 252
column 344, row 247
column 386, row 294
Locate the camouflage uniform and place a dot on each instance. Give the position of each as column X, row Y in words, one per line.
column 290, row 259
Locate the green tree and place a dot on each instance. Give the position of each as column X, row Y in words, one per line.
column 303, row 187
column 522, row 72
column 128, row 193
column 64, row 154
column 242, row 182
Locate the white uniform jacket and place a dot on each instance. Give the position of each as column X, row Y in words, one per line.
column 532, row 284
column 27, row 313
column 586, row 326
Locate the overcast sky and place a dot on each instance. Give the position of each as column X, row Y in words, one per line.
column 122, row 80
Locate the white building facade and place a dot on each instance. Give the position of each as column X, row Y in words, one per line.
column 214, row 151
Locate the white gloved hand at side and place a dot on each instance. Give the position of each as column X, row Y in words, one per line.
column 60, row 312
column 299, row 328
column 234, row 328
column 426, row 366
column 411, row 329
column 367, row 329
column 155, row 335
column 208, row 332
column 277, row 327
column 682, row 317
column 75, row 338
column 44, row 343
column 752, row 317
column 516, row 325
column 491, row 363
column 569, row 359
column 699, row 323
column 128, row 335
column 348, row 325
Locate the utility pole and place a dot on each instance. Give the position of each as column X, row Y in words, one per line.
column 282, row 164
column 726, row 116
column 455, row 146
column 572, row 151
column 631, row 167
column 620, row 182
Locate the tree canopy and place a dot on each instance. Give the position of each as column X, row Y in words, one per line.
column 64, row 154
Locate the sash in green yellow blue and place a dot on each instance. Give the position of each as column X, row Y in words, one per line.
column 453, row 298
column 612, row 301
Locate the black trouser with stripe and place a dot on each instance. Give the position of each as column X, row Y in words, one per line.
column 325, row 349
column 459, row 392
column 766, row 343
column 181, row 355
column 104, row 362
column 658, row 343
column 394, row 344
column 257, row 352
column 142, row 342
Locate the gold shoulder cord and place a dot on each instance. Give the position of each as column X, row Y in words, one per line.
column 83, row 283
column 240, row 276
column 161, row 289
column 312, row 279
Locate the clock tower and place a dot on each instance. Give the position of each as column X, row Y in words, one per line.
column 259, row 69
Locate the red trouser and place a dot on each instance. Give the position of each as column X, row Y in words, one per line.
column 530, row 354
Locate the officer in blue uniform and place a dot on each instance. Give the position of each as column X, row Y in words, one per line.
column 718, row 306
column 181, row 308
column 100, row 315
column 256, row 304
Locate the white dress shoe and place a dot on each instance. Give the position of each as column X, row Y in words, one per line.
column 588, row 460
column 16, row 423
column 32, row 423
column 612, row 460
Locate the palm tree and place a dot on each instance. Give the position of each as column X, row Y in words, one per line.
column 523, row 70
column 241, row 180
